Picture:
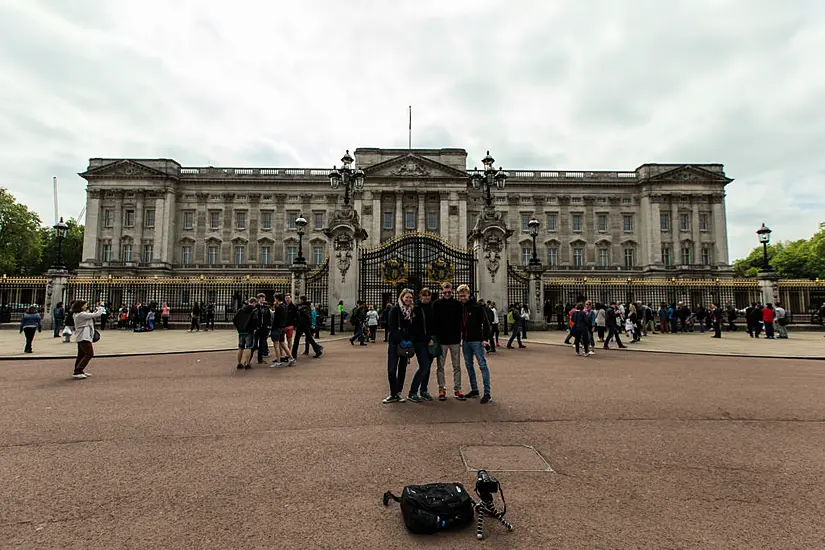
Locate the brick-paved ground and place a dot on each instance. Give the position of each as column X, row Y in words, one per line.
column 182, row 451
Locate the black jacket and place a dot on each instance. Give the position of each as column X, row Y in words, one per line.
column 581, row 321
column 398, row 327
column 448, row 315
column 264, row 317
column 423, row 322
column 304, row 314
column 292, row 315
column 610, row 318
column 279, row 317
column 475, row 327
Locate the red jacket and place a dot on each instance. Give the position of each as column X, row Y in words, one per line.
column 768, row 315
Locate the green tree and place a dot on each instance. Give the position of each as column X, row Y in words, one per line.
column 72, row 247
column 802, row 259
column 20, row 244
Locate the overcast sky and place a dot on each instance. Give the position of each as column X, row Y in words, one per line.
column 579, row 85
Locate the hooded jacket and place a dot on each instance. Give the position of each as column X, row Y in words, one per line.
column 474, row 324
column 448, row 313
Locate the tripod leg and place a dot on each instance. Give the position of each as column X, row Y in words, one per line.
column 499, row 516
column 480, row 525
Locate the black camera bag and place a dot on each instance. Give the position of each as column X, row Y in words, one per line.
column 428, row 509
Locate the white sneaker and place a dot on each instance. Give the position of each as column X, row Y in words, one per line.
column 80, row 376
column 273, row 365
column 591, row 353
column 290, row 363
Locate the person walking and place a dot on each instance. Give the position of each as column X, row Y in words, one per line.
column 399, row 326
column 514, row 315
column 316, row 333
column 358, row 317
column 475, row 329
column 263, row 324
column 372, row 322
column 601, row 321
column 246, row 324
column 385, row 312
column 581, row 330
column 448, row 313
column 491, row 342
column 283, row 355
column 423, row 338
column 304, row 328
column 195, row 318
column 525, row 319
column 613, row 320
column 781, row 321
column 58, row 315
column 495, row 335
column 716, row 315
column 164, row 315
column 30, row 324
column 768, row 317
column 210, row 316
column 292, row 320
column 84, row 326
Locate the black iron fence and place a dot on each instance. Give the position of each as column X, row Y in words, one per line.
column 17, row 294
column 803, row 299
column 518, row 286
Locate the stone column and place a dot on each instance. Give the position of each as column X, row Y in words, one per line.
column 676, row 228
column 462, row 221
column 444, row 217
column 720, row 235
column 169, row 227
column 117, row 231
column 536, row 293
column 655, row 233
column 399, row 214
column 451, row 231
column 139, row 199
column 422, row 221
column 645, row 223
column 377, row 219
column 92, row 226
column 489, row 243
column 695, row 235
column 345, row 236
column 768, row 286
column 56, row 280
column 298, row 282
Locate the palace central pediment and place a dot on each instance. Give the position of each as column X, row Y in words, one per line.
column 689, row 173
column 413, row 166
column 124, row 169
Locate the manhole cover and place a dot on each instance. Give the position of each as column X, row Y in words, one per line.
column 504, row 458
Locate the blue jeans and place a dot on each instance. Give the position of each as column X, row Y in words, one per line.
column 476, row 349
column 358, row 335
column 515, row 334
column 422, row 375
column 58, row 325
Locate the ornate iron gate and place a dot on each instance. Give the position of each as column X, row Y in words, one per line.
column 414, row 260
column 518, row 286
column 317, row 286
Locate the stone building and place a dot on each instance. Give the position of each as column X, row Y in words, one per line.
column 149, row 217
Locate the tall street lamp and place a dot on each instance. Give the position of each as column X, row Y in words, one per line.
column 60, row 230
column 764, row 233
column 300, row 224
column 352, row 179
column 533, row 224
column 488, row 178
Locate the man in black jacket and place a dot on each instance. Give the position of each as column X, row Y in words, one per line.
column 358, row 317
column 611, row 321
column 282, row 352
column 448, row 314
column 304, row 328
column 475, row 328
column 263, row 318
column 423, row 328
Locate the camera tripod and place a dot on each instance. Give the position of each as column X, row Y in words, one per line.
column 487, row 507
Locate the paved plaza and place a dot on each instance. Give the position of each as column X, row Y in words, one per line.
column 802, row 344
column 183, row 451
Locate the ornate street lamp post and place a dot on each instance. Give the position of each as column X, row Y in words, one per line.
column 533, row 224
column 300, row 224
column 764, row 233
column 488, row 178
column 352, row 179
column 60, row 229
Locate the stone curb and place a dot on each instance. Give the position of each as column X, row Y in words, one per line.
column 31, row 357
column 702, row 353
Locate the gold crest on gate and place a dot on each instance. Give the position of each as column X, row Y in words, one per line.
column 441, row 271
column 394, row 271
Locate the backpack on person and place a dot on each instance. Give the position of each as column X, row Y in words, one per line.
column 427, row 509
column 245, row 320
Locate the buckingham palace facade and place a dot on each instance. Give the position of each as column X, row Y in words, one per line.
column 148, row 217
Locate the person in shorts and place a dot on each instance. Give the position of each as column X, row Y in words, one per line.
column 244, row 322
column 291, row 319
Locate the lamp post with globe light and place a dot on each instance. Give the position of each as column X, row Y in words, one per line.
column 353, row 179
column 764, row 233
column 60, row 229
column 488, row 178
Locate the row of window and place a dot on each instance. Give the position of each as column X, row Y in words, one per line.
column 410, row 220
column 684, row 222
column 212, row 254
column 577, row 222
column 215, row 221
column 603, row 256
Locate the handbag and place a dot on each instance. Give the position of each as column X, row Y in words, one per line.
column 96, row 336
column 406, row 349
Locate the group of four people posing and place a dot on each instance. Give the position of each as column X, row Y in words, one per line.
column 436, row 330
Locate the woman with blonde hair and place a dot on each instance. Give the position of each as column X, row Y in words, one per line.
column 399, row 326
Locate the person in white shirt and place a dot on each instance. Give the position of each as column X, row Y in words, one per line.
column 780, row 321
column 84, row 326
column 372, row 323
column 494, row 336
